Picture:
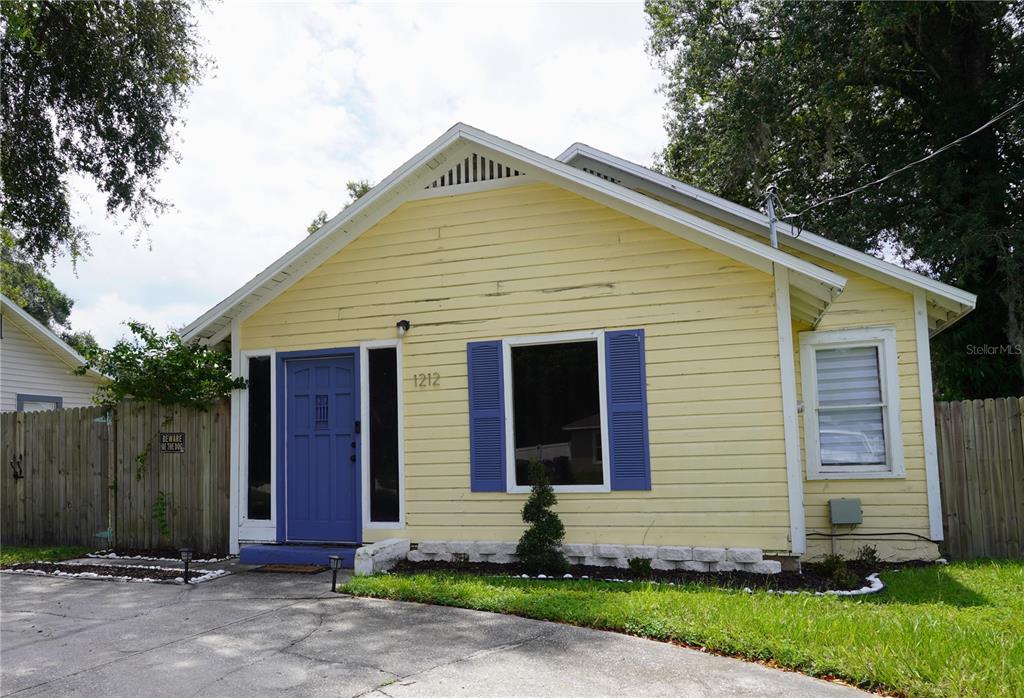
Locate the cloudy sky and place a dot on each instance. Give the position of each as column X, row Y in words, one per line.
column 308, row 96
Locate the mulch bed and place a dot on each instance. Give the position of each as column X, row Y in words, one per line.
column 100, row 570
column 156, row 554
column 810, row 579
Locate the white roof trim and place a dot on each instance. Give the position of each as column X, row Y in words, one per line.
column 44, row 335
column 954, row 299
column 405, row 184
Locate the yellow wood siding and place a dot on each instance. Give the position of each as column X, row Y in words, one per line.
column 536, row 259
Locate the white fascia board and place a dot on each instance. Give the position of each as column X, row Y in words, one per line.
column 400, row 186
column 45, row 336
column 758, row 223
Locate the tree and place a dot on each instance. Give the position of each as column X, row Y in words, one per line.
column 356, row 189
column 91, row 89
column 540, row 547
column 83, row 342
column 31, row 290
column 163, row 369
column 823, row 97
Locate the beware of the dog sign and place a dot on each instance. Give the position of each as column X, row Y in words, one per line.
column 172, row 442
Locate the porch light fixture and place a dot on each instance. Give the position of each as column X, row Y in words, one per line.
column 402, row 326
column 186, row 557
column 335, row 561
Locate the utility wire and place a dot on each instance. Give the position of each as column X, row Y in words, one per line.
column 906, row 167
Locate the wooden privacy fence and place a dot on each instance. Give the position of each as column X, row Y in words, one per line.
column 981, row 465
column 70, row 474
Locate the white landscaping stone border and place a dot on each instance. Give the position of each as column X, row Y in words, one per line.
column 111, row 555
column 194, row 577
column 380, row 557
column 663, row 557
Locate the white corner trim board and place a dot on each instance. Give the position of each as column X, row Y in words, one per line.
column 931, row 454
column 790, row 423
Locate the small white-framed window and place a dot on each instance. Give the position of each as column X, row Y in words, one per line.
column 555, row 408
column 851, row 403
column 257, row 445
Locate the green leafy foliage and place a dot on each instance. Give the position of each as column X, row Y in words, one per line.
column 163, row 369
column 540, row 547
column 933, row 631
column 824, row 97
column 13, row 554
column 91, row 89
column 356, row 189
column 641, row 566
column 31, row 290
column 160, row 513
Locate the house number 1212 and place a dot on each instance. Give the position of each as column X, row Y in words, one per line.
column 426, row 380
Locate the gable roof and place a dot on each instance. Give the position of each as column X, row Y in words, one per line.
column 813, row 287
column 945, row 303
column 44, row 335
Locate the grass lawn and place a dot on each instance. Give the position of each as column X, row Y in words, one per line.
column 13, row 554
column 934, row 631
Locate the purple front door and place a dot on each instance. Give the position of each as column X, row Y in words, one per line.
column 321, row 449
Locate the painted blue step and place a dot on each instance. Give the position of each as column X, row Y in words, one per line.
column 283, row 553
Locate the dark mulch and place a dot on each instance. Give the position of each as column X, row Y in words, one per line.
column 291, row 569
column 134, row 572
column 811, row 578
column 157, row 554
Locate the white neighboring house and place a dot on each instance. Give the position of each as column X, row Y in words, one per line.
column 36, row 366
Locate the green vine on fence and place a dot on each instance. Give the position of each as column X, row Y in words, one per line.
column 160, row 513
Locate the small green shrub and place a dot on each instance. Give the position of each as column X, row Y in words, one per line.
column 540, row 547
column 836, row 568
column 640, row 566
column 868, row 555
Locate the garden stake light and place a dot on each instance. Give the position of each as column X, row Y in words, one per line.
column 186, row 557
column 335, row 566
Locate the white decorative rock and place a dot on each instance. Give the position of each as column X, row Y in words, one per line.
column 744, row 555
column 664, row 565
column 766, row 567
column 488, row 547
column 675, row 552
column 604, row 550
column 646, row 552
column 578, row 549
column 709, row 554
column 432, row 546
column 461, row 547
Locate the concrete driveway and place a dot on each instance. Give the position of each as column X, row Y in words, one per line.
column 258, row 634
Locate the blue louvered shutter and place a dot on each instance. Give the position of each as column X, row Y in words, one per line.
column 486, row 417
column 627, row 410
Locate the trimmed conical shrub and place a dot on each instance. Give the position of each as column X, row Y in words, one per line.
column 540, row 547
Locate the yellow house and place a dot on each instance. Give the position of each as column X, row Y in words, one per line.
column 696, row 395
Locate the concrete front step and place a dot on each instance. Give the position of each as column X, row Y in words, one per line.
column 295, row 554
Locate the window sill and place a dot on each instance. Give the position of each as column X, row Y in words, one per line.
column 563, row 489
column 891, row 474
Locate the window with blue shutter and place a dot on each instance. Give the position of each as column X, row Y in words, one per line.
column 626, row 388
column 486, row 417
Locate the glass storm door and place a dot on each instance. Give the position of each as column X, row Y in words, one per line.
column 322, row 481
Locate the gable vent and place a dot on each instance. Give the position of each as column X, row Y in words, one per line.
column 601, row 175
column 475, row 168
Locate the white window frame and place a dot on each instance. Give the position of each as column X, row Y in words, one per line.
column 510, row 442
column 884, row 340
column 256, row 529
column 364, row 437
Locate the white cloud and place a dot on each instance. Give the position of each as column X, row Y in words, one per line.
column 308, row 96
